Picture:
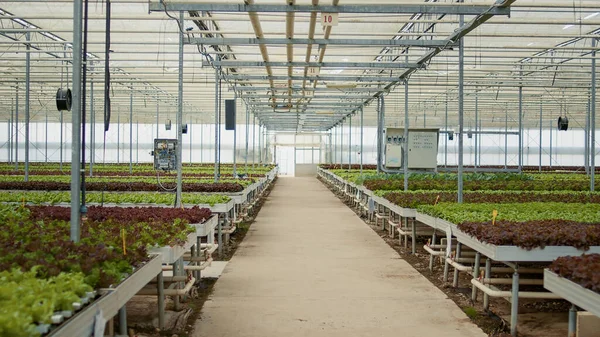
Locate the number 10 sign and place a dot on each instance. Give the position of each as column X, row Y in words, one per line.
column 329, row 19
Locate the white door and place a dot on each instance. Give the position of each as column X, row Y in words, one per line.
column 285, row 160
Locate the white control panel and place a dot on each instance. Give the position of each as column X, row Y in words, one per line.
column 422, row 148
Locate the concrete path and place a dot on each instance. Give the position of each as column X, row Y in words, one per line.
column 310, row 267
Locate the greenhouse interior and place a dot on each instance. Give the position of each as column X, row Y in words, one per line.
column 299, row 167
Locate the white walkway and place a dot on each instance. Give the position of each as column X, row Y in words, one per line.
column 310, row 267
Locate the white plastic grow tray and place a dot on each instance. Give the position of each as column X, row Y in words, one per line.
column 204, row 229
column 572, row 292
column 171, row 254
column 82, row 323
column 517, row 254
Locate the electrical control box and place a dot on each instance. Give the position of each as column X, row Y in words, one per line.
column 394, row 141
column 422, row 148
column 165, row 154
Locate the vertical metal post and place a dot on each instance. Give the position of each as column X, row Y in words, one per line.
column 76, row 122
column 17, row 130
column 157, row 114
column 27, row 105
column 541, row 111
column 506, row 137
column 62, row 128
column 220, row 130
column 253, row 140
column 191, row 139
column 131, row 130
column 46, row 139
column 161, row 300
column 260, row 145
column 458, row 256
column 137, row 143
column 550, row 151
column 593, row 120
column 216, row 174
column 572, row 321
column 92, row 129
column 362, row 127
column 179, row 118
column 247, row 140
column 476, row 128
column 350, row 144
column 10, row 136
column 235, row 147
column 201, row 142
column 342, row 145
column 488, row 274
column 520, row 128
column 118, row 138
column 123, row 321
column 586, row 131
column 461, row 110
column 334, row 144
column 447, row 135
column 514, row 309
column 475, row 276
column 406, row 126
column 330, row 147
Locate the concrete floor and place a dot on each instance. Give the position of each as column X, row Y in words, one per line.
column 310, row 267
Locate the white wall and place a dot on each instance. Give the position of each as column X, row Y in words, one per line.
column 567, row 147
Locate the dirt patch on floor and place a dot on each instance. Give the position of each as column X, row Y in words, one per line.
column 537, row 318
column 142, row 311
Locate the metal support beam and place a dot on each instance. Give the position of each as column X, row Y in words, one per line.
column 447, row 137
column 246, row 78
column 350, row 144
column 586, row 152
column 362, row 9
column 179, row 119
column 541, row 129
column 461, row 110
column 237, row 41
column 475, row 135
column 405, row 142
column 514, row 308
column 27, row 105
column 520, row 128
column 342, row 145
column 506, row 137
column 550, row 151
column 361, row 65
column 362, row 127
column 131, row 130
column 593, row 120
column 92, row 129
column 46, row 140
column 17, row 130
column 247, row 140
column 76, row 121
column 62, row 129
column 260, row 144
column 334, row 145
column 216, row 174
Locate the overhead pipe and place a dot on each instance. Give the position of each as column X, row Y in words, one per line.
column 311, row 35
column 289, row 29
column 254, row 20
